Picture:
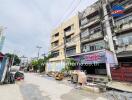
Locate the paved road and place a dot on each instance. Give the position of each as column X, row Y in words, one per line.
column 10, row 92
column 36, row 87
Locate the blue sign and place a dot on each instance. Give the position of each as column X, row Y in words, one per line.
column 117, row 11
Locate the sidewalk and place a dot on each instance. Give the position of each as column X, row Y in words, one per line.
column 123, row 86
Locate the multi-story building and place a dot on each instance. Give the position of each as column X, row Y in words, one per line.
column 122, row 36
column 65, row 41
column 123, row 29
column 96, row 37
column 95, row 57
column 92, row 35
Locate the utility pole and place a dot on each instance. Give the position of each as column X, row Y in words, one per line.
column 65, row 48
column 38, row 47
column 109, row 31
column 110, row 37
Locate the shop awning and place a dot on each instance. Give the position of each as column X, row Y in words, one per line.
column 94, row 57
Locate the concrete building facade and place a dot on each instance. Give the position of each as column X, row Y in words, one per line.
column 122, row 37
column 97, row 51
column 65, row 41
column 95, row 36
column 100, row 30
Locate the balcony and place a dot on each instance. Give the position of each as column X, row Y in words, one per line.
column 54, row 45
column 123, row 27
column 71, row 42
column 53, row 39
column 124, row 48
column 71, row 51
column 91, row 9
column 69, row 32
column 94, row 46
column 90, row 22
column 92, row 37
column 70, row 54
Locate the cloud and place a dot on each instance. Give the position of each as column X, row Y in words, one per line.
column 30, row 22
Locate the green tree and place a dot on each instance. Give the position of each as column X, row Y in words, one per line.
column 34, row 64
column 40, row 63
column 17, row 60
column 70, row 65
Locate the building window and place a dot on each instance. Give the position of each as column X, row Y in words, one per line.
column 95, row 30
column 57, row 34
column 70, row 51
column 125, row 40
column 54, row 44
column 69, row 38
column 69, row 28
column 93, row 46
column 130, row 39
column 55, row 53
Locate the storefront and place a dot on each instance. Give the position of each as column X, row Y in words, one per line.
column 96, row 62
column 55, row 66
column 124, row 71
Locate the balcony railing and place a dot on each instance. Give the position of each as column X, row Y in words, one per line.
column 91, row 9
column 92, row 36
column 71, row 41
column 89, row 22
column 124, row 48
column 70, row 53
column 96, row 46
column 53, row 46
column 123, row 26
column 53, row 39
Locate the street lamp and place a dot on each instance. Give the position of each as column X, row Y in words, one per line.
column 38, row 47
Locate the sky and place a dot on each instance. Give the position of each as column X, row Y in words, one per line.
column 28, row 23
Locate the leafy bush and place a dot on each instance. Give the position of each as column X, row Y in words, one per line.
column 70, row 65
